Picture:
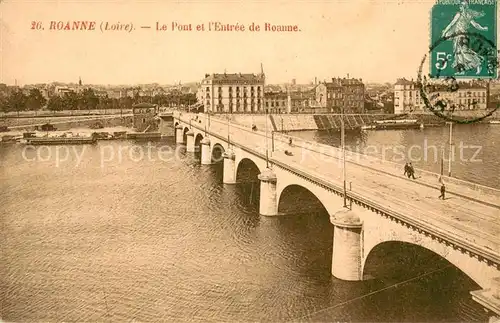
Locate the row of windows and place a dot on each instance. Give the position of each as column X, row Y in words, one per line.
column 417, row 101
column 460, row 101
column 460, row 94
column 237, row 102
column 231, row 96
column 237, row 89
column 469, row 101
column 221, row 107
column 479, row 94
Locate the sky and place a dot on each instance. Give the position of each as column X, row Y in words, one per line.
column 378, row 41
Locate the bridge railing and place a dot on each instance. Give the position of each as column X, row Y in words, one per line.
column 281, row 142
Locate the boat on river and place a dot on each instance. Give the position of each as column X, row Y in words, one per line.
column 394, row 125
column 64, row 139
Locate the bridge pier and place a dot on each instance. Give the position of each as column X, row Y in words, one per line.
column 190, row 141
column 229, row 176
column 490, row 300
column 206, row 155
column 347, row 245
column 268, row 204
column 179, row 135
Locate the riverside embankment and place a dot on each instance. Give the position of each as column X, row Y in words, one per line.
column 67, row 122
column 302, row 122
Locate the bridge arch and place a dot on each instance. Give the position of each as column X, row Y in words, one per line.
column 247, row 171
column 184, row 134
column 217, row 153
column 480, row 274
column 297, row 199
column 241, row 155
column 197, row 142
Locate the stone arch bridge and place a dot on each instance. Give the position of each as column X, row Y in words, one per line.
column 376, row 213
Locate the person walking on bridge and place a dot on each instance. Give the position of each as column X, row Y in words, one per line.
column 443, row 191
column 411, row 172
column 407, row 170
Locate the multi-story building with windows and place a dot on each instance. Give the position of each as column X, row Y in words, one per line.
column 289, row 102
column 467, row 96
column 347, row 93
column 276, row 102
column 232, row 93
column 407, row 97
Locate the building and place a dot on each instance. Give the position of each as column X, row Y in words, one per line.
column 116, row 93
column 61, row 90
column 276, row 102
column 232, row 93
column 407, row 97
column 348, row 93
column 101, row 93
column 302, row 101
column 468, row 96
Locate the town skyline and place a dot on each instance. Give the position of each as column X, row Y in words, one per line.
column 328, row 45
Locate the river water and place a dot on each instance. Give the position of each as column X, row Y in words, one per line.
column 120, row 232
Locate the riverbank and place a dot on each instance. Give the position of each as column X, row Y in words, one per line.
column 304, row 122
column 63, row 113
column 64, row 123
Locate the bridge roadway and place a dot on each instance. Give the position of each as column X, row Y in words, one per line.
column 470, row 221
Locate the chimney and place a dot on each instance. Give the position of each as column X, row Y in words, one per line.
column 347, row 75
column 315, row 80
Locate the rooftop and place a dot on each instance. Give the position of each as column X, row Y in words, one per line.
column 339, row 82
column 403, row 81
column 234, row 77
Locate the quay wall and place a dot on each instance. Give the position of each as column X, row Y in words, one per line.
column 22, row 122
column 63, row 113
column 166, row 127
column 300, row 122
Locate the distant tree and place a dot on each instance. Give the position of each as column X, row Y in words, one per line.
column 160, row 99
column 125, row 103
column 70, row 101
column 35, row 100
column 55, row 103
column 3, row 103
column 187, row 99
column 105, row 102
column 16, row 101
column 88, row 100
column 137, row 96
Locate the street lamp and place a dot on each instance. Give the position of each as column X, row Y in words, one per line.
column 450, row 149
column 272, row 141
column 342, row 139
column 267, row 145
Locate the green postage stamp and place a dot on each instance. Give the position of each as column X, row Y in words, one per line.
column 464, row 39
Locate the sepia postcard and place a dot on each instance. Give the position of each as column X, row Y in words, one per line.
column 249, row 161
